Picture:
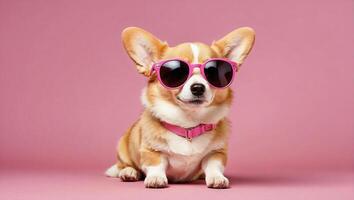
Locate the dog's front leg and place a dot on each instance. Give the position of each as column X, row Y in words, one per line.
column 154, row 165
column 213, row 167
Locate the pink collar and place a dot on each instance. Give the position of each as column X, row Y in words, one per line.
column 189, row 133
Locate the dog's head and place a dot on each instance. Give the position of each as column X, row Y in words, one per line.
column 196, row 94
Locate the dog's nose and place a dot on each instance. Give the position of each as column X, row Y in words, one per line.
column 197, row 89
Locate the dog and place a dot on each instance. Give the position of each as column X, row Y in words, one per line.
column 181, row 135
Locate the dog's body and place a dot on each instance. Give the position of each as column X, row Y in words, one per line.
column 148, row 148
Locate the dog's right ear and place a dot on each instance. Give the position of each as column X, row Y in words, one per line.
column 143, row 48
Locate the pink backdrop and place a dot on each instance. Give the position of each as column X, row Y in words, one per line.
column 68, row 89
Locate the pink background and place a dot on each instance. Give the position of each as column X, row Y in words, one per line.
column 68, row 90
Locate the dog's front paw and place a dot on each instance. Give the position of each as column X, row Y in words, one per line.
column 217, row 181
column 129, row 174
column 155, row 181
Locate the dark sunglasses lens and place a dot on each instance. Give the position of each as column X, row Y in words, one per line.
column 174, row 73
column 218, row 73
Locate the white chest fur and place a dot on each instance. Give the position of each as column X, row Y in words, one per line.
column 185, row 147
column 184, row 156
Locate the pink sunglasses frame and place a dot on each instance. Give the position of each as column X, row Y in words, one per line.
column 157, row 66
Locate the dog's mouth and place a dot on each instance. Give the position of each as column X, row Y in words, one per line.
column 196, row 101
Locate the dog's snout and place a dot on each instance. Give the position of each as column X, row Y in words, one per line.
column 197, row 89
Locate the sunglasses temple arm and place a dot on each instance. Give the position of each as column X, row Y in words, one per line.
column 152, row 70
column 235, row 65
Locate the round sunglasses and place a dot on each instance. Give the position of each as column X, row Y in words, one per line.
column 174, row 73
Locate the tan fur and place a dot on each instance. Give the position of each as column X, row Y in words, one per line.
column 145, row 142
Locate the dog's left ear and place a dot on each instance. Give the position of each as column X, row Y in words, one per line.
column 143, row 48
column 236, row 45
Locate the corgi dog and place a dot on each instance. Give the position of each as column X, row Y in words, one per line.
column 182, row 134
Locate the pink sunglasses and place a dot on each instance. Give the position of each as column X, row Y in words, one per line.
column 174, row 73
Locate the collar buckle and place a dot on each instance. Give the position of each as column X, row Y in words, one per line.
column 189, row 133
